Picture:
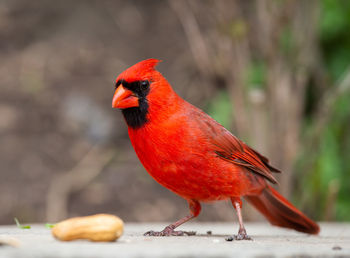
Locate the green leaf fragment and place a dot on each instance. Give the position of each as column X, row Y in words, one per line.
column 49, row 226
column 21, row 226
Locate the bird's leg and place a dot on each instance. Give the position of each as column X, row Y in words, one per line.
column 242, row 233
column 195, row 209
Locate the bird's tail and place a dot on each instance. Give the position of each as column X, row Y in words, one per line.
column 280, row 212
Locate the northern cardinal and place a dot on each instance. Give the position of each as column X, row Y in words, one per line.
column 191, row 154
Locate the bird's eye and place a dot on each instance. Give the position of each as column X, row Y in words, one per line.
column 144, row 85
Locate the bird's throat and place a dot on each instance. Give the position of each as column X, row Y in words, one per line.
column 136, row 117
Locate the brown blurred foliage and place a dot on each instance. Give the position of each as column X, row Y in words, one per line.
column 58, row 63
column 65, row 152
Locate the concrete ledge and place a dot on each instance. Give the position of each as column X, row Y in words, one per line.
column 268, row 241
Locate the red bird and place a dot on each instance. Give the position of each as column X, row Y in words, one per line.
column 191, row 154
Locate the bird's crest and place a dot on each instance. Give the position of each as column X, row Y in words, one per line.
column 140, row 71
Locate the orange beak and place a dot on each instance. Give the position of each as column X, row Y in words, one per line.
column 124, row 98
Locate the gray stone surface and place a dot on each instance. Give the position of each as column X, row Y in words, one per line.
column 334, row 240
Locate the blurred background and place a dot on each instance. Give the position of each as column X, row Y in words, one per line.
column 276, row 73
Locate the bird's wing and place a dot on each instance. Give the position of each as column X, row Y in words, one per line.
column 231, row 149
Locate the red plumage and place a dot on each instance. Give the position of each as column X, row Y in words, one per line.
column 191, row 154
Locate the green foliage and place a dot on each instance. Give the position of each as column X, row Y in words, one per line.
column 340, row 128
column 335, row 36
column 220, row 108
column 21, row 226
column 49, row 226
column 287, row 42
column 331, row 165
column 325, row 170
column 256, row 76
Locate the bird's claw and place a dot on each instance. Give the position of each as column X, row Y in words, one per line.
column 242, row 235
column 169, row 231
column 238, row 237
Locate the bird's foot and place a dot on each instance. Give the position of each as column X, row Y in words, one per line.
column 238, row 237
column 169, row 231
column 242, row 235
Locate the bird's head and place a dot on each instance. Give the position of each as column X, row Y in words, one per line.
column 138, row 88
column 134, row 84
